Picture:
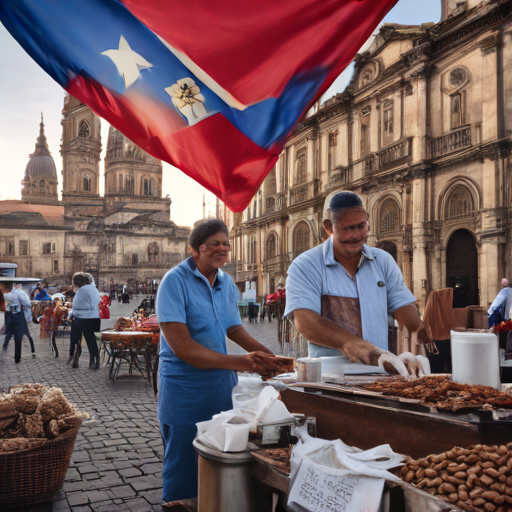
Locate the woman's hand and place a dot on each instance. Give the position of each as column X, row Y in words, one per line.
column 257, row 362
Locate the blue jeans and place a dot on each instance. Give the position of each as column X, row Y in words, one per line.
column 15, row 325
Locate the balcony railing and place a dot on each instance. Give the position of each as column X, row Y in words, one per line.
column 453, row 141
column 401, row 149
column 274, row 263
column 275, row 202
column 301, row 193
column 340, row 176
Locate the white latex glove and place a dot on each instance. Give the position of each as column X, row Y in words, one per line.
column 413, row 364
column 395, row 362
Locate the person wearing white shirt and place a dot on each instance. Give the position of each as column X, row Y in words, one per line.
column 15, row 322
column 86, row 319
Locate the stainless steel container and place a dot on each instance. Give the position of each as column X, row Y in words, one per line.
column 274, row 435
column 226, row 483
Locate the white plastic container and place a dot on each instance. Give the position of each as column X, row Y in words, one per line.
column 475, row 358
column 309, row 369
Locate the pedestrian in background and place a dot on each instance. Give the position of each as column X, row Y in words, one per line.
column 500, row 312
column 15, row 322
column 86, row 319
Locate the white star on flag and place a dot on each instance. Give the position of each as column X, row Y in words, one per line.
column 128, row 63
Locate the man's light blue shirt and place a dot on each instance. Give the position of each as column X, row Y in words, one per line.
column 502, row 301
column 378, row 284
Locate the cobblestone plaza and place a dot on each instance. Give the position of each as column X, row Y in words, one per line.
column 116, row 464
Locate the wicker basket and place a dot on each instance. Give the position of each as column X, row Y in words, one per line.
column 35, row 476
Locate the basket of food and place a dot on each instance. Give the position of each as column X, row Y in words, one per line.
column 38, row 429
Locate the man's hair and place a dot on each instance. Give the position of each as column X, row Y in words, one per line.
column 79, row 279
column 7, row 285
column 204, row 230
column 338, row 203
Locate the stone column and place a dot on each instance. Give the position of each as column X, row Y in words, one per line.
column 420, row 79
column 419, row 240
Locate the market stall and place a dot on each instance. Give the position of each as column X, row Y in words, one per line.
column 454, row 441
column 133, row 348
column 134, row 342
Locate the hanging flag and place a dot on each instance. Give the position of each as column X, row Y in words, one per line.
column 212, row 87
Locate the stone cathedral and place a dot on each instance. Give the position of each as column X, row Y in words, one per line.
column 124, row 236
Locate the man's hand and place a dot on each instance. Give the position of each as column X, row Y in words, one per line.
column 412, row 363
column 393, row 364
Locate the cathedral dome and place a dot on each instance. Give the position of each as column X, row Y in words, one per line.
column 41, row 162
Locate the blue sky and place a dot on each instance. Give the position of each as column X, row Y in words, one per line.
column 26, row 91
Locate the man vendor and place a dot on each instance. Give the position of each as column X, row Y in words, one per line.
column 196, row 307
column 339, row 294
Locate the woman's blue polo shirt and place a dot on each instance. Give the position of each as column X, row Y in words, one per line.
column 189, row 394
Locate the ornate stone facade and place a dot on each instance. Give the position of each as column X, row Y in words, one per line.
column 124, row 236
column 423, row 134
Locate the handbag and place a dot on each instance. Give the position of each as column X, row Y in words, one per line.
column 104, row 312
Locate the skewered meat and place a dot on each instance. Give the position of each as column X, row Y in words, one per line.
column 268, row 365
column 277, row 457
column 123, row 324
column 442, row 392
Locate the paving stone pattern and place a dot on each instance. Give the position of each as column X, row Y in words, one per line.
column 116, row 464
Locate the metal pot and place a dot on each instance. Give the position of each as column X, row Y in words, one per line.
column 226, row 483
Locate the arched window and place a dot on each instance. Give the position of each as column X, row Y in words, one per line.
column 271, row 245
column 135, row 259
column 153, row 251
column 252, row 250
column 457, row 110
column 87, row 183
column 146, row 187
column 365, row 138
column 301, row 238
column 42, row 186
column 301, row 168
column 152, row 191
column 120, row 182
column 130, row 184
column 389, row 216
column 84, row 130
column 459, row 204
column 270, row 183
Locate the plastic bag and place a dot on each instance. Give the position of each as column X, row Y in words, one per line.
column 330, row 475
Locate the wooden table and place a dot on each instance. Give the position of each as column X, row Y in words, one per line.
column 128, row 347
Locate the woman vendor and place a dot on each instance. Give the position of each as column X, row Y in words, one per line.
column 197, row 307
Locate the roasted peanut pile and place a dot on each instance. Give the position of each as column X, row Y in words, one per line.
column 442, row 392
column 30, row 414
column 478, row 478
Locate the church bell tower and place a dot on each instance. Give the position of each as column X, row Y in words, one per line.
column 80, row 150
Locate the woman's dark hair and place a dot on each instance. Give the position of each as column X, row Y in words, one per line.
column 79, row 279
column 204, row 230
